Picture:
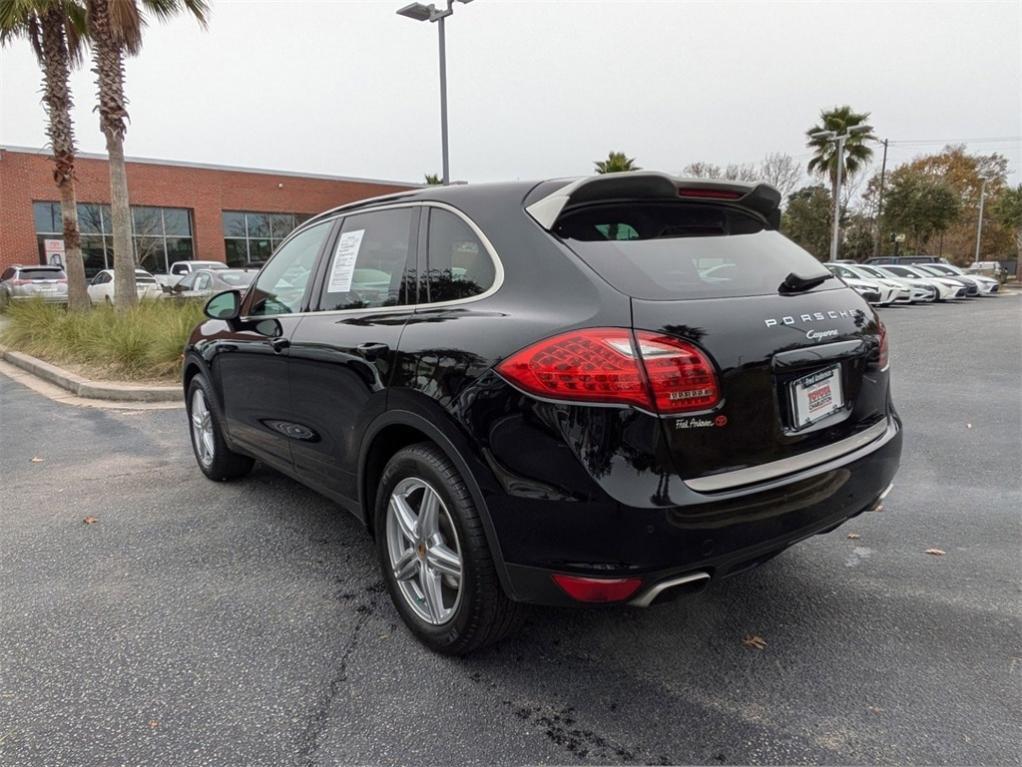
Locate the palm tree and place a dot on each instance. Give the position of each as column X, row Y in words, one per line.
column 432, row 179
column 115, row 31
column 856, row 151
column 616, row 162
column 55, row 28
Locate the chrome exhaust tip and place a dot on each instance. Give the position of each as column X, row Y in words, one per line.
column 878, row 504
column 689, row 582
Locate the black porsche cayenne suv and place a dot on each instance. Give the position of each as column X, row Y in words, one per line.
column 609, row 390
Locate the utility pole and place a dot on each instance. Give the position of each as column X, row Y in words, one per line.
column 880, row 205
column 979, row 223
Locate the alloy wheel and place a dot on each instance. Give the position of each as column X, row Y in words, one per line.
column 202, row 428
column 424, row 551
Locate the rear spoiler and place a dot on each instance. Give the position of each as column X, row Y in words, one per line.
column 761, row 199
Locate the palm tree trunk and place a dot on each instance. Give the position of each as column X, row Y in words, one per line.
column 57, row 95
column 109, row 69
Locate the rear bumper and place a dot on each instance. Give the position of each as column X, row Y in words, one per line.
column 46, row 298
column 718, row 538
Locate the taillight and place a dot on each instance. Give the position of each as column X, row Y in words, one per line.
column 584, row 589
column 882, row 351
column 20, row 282
column 680, row 375
column 602, row 365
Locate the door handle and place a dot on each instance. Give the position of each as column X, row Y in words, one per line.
column 372, row 351
column 279, row 344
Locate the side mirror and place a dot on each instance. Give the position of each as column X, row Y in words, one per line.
column 224, row 306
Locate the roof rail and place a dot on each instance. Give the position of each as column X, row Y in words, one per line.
column 358, row 204
column 761, row 199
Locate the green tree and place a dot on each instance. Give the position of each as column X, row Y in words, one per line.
column 55, row 28
column 432, row 179
column 919, row 206
column 616, row 162
column 115, row 31
column 1006, row 212
column 806, row 219
column 856, row 152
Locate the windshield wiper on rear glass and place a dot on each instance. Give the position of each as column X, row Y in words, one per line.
column 795, row 284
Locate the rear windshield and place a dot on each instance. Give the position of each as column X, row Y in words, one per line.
column 41, row 274
column 663, row 251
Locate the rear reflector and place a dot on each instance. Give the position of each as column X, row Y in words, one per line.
column 710, row 194
column 597, row 589
column 610, row 366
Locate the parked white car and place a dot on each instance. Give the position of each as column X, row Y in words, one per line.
column 922, row 291
column 903, row 292
column 947, row 288
column 101, row 288
column 986, row 286
column 876, row 291
column 180, row 269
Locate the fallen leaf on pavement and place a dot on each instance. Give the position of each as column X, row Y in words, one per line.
column 153, row 724
column 968, row 426
column 37, row 459
column 90, row 520
column 754, row 641
column 936, row 552
column 854, row 536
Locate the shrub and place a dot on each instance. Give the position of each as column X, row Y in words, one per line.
column 144, row 342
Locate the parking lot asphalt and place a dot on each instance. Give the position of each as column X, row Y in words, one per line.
column 246, row 624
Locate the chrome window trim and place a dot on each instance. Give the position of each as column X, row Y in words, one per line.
column 767, row 471
column 498, row 266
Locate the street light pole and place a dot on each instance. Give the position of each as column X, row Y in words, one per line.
column 979, row 224
column 443, row 101
column 836, row 232
column 839, row 139
column 431, row 13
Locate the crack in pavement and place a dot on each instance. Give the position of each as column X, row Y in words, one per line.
column 317, row 720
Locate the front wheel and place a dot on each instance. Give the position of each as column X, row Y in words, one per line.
column 217, row 461
column 434, row 556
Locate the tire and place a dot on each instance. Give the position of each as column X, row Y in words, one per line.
column 215, row 459
column 476, row 612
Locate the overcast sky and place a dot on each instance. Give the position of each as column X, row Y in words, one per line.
column 541, row 89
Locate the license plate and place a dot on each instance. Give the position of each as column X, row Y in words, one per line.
column 816, row 396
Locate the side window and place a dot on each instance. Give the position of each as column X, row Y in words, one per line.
column 845, row 273
column 179, row 269
column 8, row 273
column 371, row 264
column 202, row 281
column 282, row 282
column 458, row 265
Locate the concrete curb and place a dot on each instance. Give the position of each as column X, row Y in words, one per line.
column 83, row 387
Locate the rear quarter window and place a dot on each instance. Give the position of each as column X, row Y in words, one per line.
column 664, row 251
column 41, row 274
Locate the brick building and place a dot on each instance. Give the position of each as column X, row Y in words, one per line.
column 179, row 210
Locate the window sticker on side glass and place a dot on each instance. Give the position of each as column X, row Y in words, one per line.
column 344, row 261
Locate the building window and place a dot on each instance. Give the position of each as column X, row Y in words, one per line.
column 161, row 235
column 250, row 238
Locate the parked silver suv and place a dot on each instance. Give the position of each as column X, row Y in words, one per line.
column 20, row 283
